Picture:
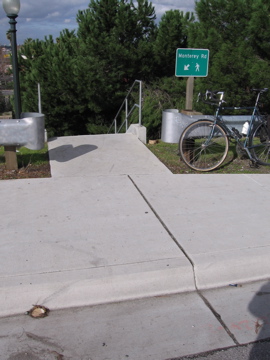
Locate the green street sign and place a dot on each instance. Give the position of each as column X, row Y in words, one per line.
column 191, row 62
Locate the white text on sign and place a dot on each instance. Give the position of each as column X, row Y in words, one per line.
column 192, row 56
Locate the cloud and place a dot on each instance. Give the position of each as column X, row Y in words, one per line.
column 31, row 8
column 40, row 19
column 161, row 6
column 53, row 15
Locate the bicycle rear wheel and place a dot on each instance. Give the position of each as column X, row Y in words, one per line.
column 260, row 144
column 203, row 146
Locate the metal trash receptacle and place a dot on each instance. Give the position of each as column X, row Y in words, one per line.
column 27, row 131
column 170, row 127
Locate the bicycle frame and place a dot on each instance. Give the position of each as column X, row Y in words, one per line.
column 204, row 144
column 232, row 132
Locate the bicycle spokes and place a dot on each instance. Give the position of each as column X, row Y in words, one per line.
column 203, row 146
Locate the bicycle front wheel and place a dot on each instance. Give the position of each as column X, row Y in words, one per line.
column 203, row 145
column 260, row 144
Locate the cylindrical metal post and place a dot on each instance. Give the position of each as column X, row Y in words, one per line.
column 126, row 103
column 12, row 8
column 15, row 69
column 39, row 100
column 10, row 151
column 140, row 105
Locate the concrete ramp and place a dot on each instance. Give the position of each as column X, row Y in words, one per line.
column 97, row 155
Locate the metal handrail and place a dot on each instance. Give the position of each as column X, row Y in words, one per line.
column 128, row 112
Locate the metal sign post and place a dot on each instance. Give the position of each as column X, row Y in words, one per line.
column 189, row 93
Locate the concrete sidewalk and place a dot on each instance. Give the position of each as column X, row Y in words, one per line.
column 102, row 155
column 114, row 225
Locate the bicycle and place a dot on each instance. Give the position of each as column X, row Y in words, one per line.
column 204, row 144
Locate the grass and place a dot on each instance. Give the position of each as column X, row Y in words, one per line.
column 233, row 164
column 26, row 156
column 31, row 164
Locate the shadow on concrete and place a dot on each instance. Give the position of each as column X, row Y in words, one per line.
column 260, row 307
column 65, row 153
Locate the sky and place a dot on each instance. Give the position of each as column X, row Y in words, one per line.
column 38, row 19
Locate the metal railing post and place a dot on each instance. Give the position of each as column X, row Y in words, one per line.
column 140, row 105
column 126, row 105
column 127, row 112
column 39, row 100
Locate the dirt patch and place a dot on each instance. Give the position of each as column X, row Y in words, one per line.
column 28, row 172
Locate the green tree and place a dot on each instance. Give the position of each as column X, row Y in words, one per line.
column 2, row 103
column 84, row 76
column 116, row 39
column 238, row 58
column 171, row 34
column 161, row 94
column 54, row 66
column 259, row 28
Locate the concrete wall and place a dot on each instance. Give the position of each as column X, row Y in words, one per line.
column 139, row 131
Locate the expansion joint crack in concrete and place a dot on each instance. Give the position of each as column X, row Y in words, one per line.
column 217, row 316
column 256, row 182
column 166, row 228
column 206, row 302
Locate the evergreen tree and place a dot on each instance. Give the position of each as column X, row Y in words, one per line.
column 171, row 34
column 53, row 65
column 259, row 28
column 115, row 40
column 84, row 76
column 238, row 58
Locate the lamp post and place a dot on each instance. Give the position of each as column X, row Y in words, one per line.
column 12, row 8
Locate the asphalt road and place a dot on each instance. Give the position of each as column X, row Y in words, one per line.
column 254, row 351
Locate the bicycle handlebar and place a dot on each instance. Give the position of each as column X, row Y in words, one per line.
column 210, row 97
column 260, row 90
